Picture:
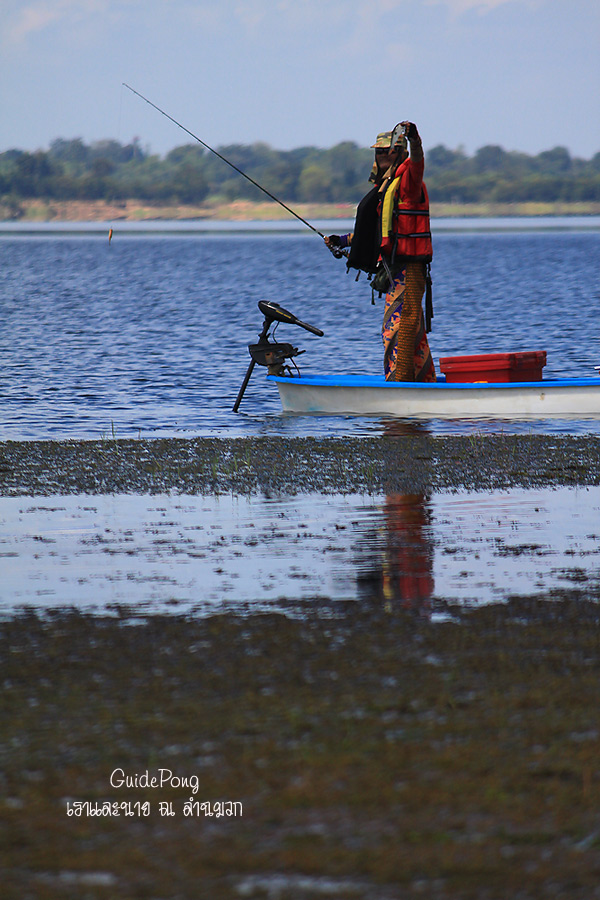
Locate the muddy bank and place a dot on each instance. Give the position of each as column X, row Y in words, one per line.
column 133, row 210
column 374, row 753
column 404, row 463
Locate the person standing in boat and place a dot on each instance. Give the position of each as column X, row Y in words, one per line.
column 391, row 241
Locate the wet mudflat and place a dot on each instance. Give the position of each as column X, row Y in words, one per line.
column 208, row 525
column 405, row 460
column 394, row 744
column 374, row 752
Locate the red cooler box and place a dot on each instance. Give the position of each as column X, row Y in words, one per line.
column 495, row 367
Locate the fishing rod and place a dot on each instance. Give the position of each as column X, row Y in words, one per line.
column 335, row 251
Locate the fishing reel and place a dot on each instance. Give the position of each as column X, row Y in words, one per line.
column 272, row 354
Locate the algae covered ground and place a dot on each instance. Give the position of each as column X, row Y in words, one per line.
column 375, row 753
column 365, row 749
column 398, row 461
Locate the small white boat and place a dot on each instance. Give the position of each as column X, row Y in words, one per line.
column 501, row 385
column 362, row 395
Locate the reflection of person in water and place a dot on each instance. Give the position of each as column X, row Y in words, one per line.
column 399, row 570
column 408, row 557
column 402, row 571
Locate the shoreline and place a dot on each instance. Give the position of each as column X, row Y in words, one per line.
column 40, row 211
column 406, row 463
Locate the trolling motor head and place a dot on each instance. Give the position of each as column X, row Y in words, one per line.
column 275, row 312
column 269, row 353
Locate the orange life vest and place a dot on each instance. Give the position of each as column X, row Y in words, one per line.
column 406, row 222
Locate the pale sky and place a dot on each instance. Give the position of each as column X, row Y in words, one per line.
column 524, row 74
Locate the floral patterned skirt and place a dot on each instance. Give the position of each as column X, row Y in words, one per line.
column 407, row 356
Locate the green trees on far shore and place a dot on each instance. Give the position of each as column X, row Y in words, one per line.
column 108, row 170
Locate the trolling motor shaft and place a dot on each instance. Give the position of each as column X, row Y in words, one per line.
column 269, row 353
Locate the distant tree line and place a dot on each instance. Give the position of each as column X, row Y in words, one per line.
column 189, row 174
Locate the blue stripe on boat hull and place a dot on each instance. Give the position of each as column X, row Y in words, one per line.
column 380, row 382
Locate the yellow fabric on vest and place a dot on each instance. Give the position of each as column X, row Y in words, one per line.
column 387, row 211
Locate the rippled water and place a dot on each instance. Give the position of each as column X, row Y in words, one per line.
column 148, row 335
column 180, row 553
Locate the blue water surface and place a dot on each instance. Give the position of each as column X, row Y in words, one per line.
column 147, row 335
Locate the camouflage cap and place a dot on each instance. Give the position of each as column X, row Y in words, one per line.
column 383, row 142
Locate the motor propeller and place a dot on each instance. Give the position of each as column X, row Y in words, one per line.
column 269, row 353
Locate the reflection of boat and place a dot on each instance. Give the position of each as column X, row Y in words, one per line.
column 466, row 392
column 363, row 395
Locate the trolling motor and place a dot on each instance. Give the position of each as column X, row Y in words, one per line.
column 268, row 353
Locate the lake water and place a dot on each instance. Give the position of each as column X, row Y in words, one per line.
column 148, row 335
